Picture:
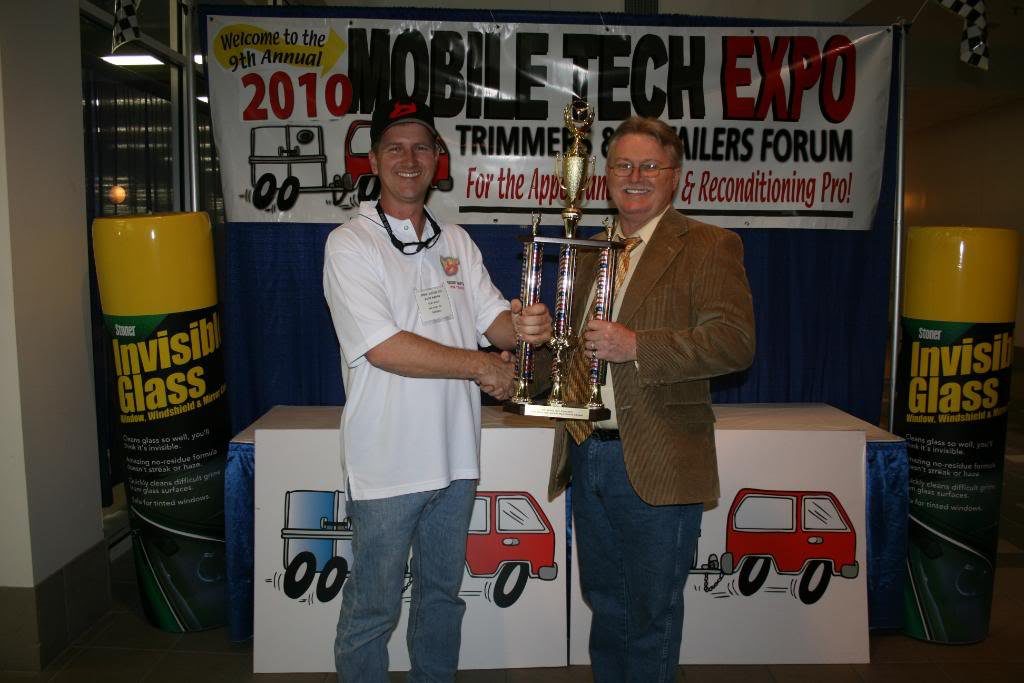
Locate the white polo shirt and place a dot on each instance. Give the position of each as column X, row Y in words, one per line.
column 402, row 434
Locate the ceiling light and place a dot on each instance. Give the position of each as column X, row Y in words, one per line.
column 132, row 60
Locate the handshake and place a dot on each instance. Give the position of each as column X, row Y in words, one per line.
column 496, row 374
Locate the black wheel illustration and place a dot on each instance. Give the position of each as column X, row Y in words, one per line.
column 814, row 581
column 510, row 584
column 369, row 188
column 264, row 190
column 288, row 194
column 332, row 578
column 753, row 573
column 299, row 575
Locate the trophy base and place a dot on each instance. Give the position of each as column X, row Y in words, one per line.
column 563, row 412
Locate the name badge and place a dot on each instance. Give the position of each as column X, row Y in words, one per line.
column 434, row 304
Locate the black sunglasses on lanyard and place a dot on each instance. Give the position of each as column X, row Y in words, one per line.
column 410, row 248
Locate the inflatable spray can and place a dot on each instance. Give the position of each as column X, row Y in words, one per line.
column 159, row 297
column 952, row 396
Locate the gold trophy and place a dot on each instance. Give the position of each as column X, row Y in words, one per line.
column 574, row 169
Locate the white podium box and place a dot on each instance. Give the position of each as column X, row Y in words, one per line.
column 515, row 581
column 792, row 508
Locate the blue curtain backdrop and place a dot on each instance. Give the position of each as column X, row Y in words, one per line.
column 821, row 297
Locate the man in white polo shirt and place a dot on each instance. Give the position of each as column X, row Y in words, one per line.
column 411, row 303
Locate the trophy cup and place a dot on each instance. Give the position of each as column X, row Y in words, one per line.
column 574, row 169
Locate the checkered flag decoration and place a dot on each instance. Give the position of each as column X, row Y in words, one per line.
column 126, row 23
column 974, row 39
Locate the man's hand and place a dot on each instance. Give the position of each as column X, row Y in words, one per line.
column 531, row 324
column 610, row 341
column 496, row 375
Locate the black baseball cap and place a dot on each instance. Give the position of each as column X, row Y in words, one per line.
column 400, row 110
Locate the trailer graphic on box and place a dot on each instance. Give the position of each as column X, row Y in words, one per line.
column 510, row 541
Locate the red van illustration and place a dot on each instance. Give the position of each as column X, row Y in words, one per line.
column 794, row 532
column 510, row 537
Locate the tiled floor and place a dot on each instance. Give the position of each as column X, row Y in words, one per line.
column 123, row 647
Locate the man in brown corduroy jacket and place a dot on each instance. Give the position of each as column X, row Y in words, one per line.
column 682, row 315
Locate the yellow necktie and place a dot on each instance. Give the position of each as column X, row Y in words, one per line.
column 577, row 383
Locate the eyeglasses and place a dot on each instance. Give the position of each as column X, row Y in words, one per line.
column 648, row 169
column 410, row 248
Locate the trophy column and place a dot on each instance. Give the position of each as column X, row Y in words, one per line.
column 561, row 333
column 604, row 296
column 529, row 293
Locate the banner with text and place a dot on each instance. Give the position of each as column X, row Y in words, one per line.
column 781, row 127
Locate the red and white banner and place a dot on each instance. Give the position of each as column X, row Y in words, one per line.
column 781, row 127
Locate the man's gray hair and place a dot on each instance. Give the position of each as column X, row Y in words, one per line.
column 651, row 127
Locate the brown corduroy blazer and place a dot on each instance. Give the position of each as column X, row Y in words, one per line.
column 689, row 303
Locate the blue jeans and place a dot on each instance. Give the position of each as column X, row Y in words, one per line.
column 634, row 560
column 434, row 524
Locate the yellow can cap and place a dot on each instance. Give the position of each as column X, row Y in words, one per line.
column 961, row 274
column 156, row 263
